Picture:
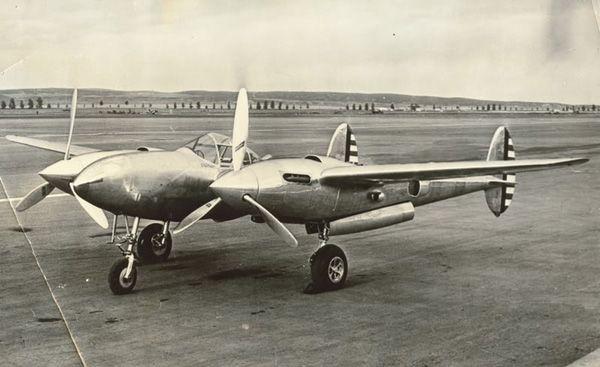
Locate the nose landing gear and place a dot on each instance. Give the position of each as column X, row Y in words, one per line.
column 328, row 265
column 153, row 245
column 123, row 273
column 118, row 280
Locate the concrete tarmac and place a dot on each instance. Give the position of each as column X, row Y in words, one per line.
column 456, row 286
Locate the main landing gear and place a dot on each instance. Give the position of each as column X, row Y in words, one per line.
column 153, row 245
column 328, row 265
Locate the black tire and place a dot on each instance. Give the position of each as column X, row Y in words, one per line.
column 328, row 268
column 116, row 280
column 149, row 245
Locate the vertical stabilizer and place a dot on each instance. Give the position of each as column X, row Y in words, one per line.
column 343, row 145
column 501, row 149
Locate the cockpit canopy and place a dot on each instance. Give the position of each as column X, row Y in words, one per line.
column 216, row 149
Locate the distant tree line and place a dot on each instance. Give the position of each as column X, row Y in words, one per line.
column 38, row 103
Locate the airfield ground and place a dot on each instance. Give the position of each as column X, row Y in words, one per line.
column 456, row 286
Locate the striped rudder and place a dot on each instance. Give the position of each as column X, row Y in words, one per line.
column 352, row 148
column 343, row 145
column 501, row 148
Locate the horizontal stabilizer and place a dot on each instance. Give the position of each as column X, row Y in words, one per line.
column 50, row 145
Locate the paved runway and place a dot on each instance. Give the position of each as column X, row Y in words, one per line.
column 456, row 286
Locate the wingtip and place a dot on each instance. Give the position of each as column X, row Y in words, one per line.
column 574, row 161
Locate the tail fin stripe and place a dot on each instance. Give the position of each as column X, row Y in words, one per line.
column 501, row 148
column 342, row 145
column 347, row 153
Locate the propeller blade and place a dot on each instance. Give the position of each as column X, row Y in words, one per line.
column 196, row 215
column 73, row 111
column 93, row 211
column 34, row 196
column 240, row 130
column 273, row 223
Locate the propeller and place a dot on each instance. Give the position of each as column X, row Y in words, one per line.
column 273, row 222
column 238, row 143
column 34, row 196
column 240, row 130
column 39, row 193
column 93, row 211
column 196, row 215
column 72, row 124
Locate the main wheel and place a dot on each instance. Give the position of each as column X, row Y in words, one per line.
column 151, row 248
column 328, row 268
column 116, row 277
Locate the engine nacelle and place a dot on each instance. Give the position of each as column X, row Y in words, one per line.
column 373, row 219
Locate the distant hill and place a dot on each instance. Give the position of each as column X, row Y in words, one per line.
column 331, row 99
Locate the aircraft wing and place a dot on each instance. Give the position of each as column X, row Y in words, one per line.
column 350, row 175
column 50, row 145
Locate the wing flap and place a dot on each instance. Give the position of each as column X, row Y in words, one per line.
column 349, row 175
column 50, row 145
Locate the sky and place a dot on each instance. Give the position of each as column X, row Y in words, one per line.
column 506, row 50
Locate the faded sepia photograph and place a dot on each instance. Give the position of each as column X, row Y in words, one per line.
column 300, row 183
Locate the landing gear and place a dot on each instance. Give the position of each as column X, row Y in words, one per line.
column 118, row 280
column 154, row 243
column 328, row 266
column 123, row 273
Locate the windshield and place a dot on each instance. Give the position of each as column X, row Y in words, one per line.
column 216, row 149
column 204, row 146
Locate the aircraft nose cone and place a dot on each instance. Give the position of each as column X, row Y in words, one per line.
column 96, row 182
column 232, row 186
column 61, row 173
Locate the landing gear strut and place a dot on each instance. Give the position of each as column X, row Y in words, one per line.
column 123, row 273
column 153, row 245
column 328, row 265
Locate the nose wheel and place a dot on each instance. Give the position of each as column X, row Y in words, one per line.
column 328, row 266
column 118, row 279
column 123, row 272
column 153, row 245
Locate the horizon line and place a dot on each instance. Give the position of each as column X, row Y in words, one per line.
column 296, row 91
